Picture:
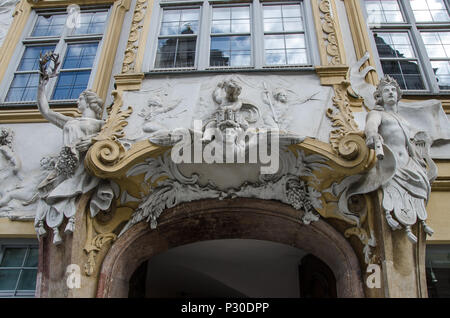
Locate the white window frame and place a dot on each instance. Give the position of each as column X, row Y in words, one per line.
column 17, row 243
column 61, row 43
column 413, row 28
column 204, row 35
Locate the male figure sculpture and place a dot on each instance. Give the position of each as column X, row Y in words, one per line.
column 406, row 192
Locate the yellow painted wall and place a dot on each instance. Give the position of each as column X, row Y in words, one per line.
column 16, row 229
column 439, row 216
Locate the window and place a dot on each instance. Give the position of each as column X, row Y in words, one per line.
column 214, row 35
column 178, row 38
column 230, row 36
column 438, row 271
column 76, row 46
column 284, row 38
column 412, row 38
column 18, row 270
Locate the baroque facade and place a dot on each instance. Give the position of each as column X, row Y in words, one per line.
column 159, row 148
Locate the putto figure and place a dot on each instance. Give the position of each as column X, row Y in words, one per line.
column 409, row 166
column 59, row 191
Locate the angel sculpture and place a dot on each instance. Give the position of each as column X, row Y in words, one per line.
column 404, row 170
column 59, row 191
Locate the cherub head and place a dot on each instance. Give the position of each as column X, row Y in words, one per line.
column 232, row 89
column 90, row 105
column 280, row 95
column 6, row 137
column 388, row 92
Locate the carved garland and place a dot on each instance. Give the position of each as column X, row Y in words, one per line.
column 136, row 27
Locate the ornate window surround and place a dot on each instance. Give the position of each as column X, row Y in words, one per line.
column 22, row 14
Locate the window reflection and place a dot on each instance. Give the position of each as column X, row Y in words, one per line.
column 230, row 37
column 438, row 271
column 383, row 11
column 177, row 41
column 398, row 59
column 430, row 10
column 284, row 40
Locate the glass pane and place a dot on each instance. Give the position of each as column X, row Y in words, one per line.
column 293, row 24
column 32, row 258
column 49, row 25
column 295, row 41
column 438, row 270
column 169, row 28
column 71, row 84
column 219, row 58
column 183, row 21
column 27, row 279
column 80, row 55
column 23, row 88
column 221, row 13
column 240, row 26
column 171, row 16
column 221, row 26
column 91, row 23
column 394, row 45
column 240, row 58
column 430, row 11
column 240, row 43
column 290, row 11
column 442, row 71
column 185, row 56
column 275, row 57
column 30, row 58
column 240, row 13
column 383, row 11
column 437, row 44
column 273, row 25
column 13, row 257
column 8, row 278
column 274, row 42
column 296, row 57
column 272, row 11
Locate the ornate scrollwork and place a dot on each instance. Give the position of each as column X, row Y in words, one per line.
column 136, row 26
column 329, row 28
column 107, row 150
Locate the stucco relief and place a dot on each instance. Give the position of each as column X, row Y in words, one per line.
column 295, row 104
column 59, row 191
column 404, row 170
column 16, row 199
column 6, row 17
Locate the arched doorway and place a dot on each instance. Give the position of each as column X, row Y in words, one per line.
column 247, row 219
column 226, row 268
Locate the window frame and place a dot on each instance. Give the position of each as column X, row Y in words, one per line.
column 18, row 243
column 61, row 43
column 204, row 36
column 414, row 30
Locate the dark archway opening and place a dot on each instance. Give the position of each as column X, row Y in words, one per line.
column 232, row 268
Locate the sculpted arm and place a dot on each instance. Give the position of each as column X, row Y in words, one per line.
column 42, row 102
column 373, row 122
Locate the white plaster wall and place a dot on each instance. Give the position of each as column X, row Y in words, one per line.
column 6, row 12
column 34, row 141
